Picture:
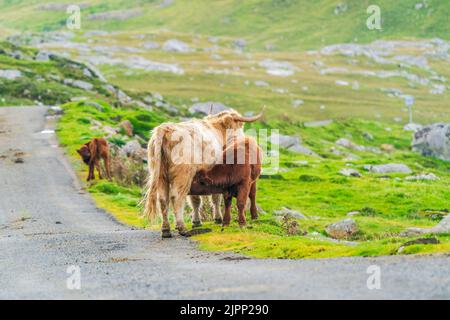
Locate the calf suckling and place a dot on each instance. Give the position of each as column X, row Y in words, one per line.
column 235, row 177
column 171, row 175
column 91, row 153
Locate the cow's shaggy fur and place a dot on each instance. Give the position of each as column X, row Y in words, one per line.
column 235, row 178
column 91, row 153
column 169, row 178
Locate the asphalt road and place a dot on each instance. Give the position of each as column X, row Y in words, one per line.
column 48, row 224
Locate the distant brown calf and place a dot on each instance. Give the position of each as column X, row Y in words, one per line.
column 91, row 153
column 236, row 179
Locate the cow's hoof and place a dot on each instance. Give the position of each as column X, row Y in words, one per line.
column 218, row 220
column 184, row 233
column 196, row 224
column 166, row 234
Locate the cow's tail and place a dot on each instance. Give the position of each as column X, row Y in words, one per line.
column 157, row 173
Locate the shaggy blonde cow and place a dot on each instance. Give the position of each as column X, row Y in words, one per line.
column 176, row 151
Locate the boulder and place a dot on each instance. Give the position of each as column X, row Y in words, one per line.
column 240, row 43
column 109, row 131
column 348, row 172
column 127, row 127
column 205, row 107
column 174, row 45
column 423, row 176
column 150, row 45
column 55, row 111
column 289, row 212
column 261, row 83
column 292, row 144
column 81, row 84
column 433, row 141
column 297, row 103
column 388, row 168
column 322, row 123
column 10, row 74
column 42, row 56
column 133, row 149
column 278, row 68
column 368, row 136
column 442, row 227
column 343, row 142
column 342, row 229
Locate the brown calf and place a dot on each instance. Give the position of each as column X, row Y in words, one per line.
column 236, row 179
column 91, row 153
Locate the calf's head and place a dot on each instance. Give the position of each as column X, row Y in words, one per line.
column 85, row 154
column 202, row 177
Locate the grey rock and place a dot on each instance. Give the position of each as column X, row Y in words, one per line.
column 353, row 213
column 442, row 227
column 136, row 62
column 322, row 123
column 94, row 104
column 123, row 97
column 55, row 111
column 260, row 83
column 87, row 73
column 109, row 131
column 174, row 45
column 82, row 85
column 216, row 56
column 205, row 107
column 133, row 149
column 348, row 172
column 342, row 229
column 368, row 136
column 303, row 150
column 279, row 68
column 151, row 45
column 10, row 74
column 423, row 176
column 292, row 144
column 388, row 168
column 42, row 56
column 340, row 8
column 291, row 213
column 346, row 143
column 240, row 43
column 433, row 140
column 297, row 103
column 166, row 3
column 115, row 15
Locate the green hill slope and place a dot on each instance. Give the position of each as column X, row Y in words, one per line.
column 285, row 24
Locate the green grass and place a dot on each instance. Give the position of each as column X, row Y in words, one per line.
column 387, row 206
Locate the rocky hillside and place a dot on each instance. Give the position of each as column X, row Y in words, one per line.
column 271, row 24
column 34, row 77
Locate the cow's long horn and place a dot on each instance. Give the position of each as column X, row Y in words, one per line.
column 251, row 119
